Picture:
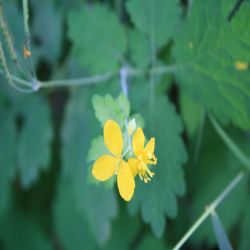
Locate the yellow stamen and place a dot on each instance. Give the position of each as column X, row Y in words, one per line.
column 144, row 173
column 151, row 174
column 140, row 176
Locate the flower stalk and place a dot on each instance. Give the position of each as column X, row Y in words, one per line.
column 210, row 209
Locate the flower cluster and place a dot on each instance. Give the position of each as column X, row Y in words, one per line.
column 115, row 163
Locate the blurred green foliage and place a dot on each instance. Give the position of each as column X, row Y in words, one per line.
column 49, row 139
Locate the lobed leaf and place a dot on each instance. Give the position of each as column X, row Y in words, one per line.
column 157, row 19
column 97, row 149
column 47, row 15
column 139, row 48
column 150, row 242
column 94, row 204
column 157, row 199
column 109, row 108
column 215, row 169
column 21, row 232
column 208, row 50
column 33, row 153
column 99, row 40
column 70, row 224
column 7, row 156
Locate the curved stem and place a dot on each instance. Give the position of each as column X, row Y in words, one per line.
column 19, row 80
column 210, row 209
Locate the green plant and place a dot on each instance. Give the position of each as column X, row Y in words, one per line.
column 183, row 71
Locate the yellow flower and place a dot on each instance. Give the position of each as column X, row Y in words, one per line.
column 144, row 156
column 108, row 165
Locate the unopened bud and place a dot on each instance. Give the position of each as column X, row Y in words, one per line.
column 131, row 127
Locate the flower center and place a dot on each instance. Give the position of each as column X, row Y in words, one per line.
column 143, row 171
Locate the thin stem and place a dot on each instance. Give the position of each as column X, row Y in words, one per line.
column 78, row 81
column 162, row 70
column 210, row 209
column 228, row 189
column 26, row 18
column 19, row 80
column 230, row 143
column 123, row 81
column 95, row 79
column 192, row 229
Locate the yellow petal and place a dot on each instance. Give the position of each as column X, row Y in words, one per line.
column 125, row 181
column 150, row 147
column 138, row 141
column 133, row 163
column 104, row 167
column 148, row 153
column 113, row 137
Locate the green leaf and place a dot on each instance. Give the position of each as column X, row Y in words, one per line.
column 95, row 204
column 157, row 199
column 157, row 19
column 97, row 149
column 46, row 15
column 138, row 119
column 213, row 172
column 139, row 48
column 109, row 108
column 244, row 241
column 207, row 48
column 79, row 127
column 34, row 146
column 191, row 113
column 7, row 155
column 21, row 232
column 123, row 224
column 98, row 38
column 150, row 242
column 70, row 224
